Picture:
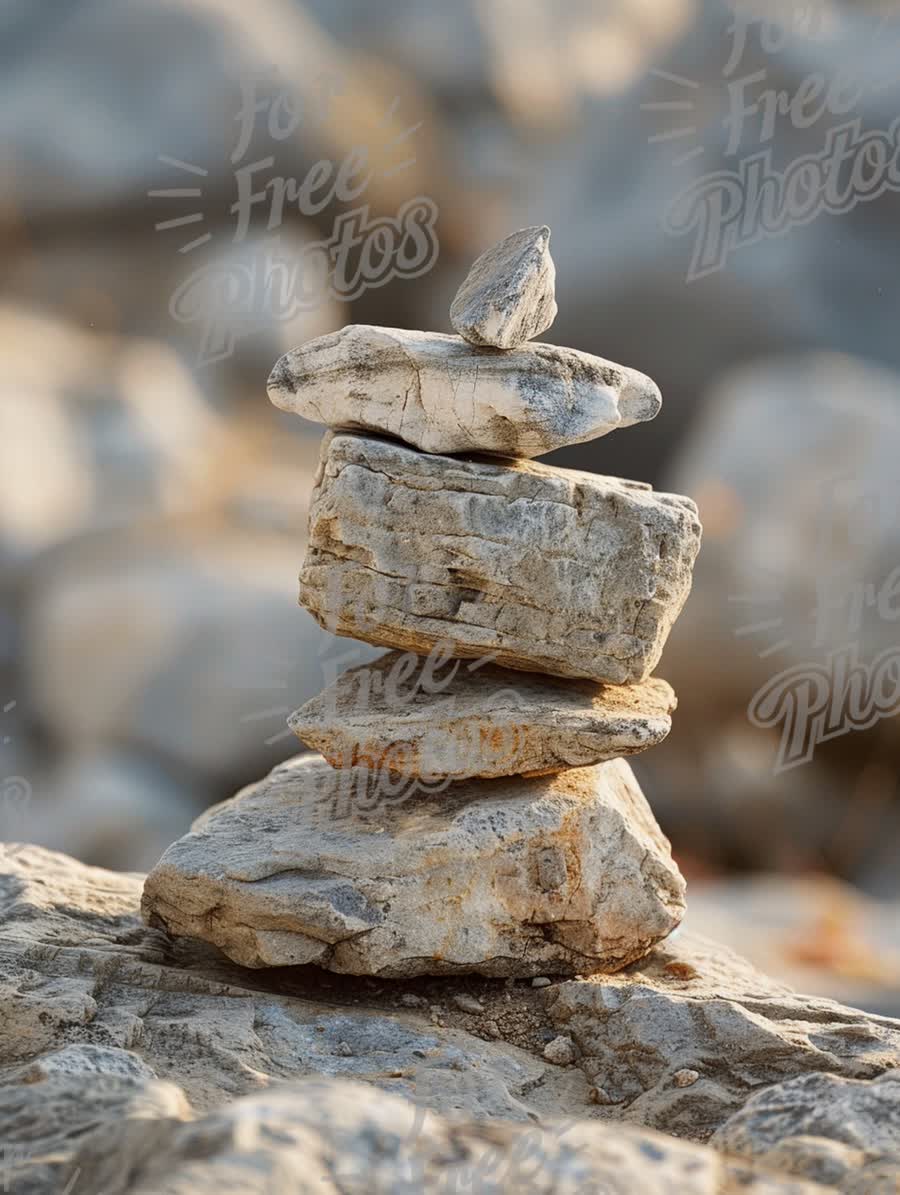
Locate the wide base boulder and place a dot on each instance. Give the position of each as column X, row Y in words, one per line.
column 372, row 874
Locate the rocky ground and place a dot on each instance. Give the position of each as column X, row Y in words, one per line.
column 134, row 1062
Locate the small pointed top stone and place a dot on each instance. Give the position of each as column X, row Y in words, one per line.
column 509, row 296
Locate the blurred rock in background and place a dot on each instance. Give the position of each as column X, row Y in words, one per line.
column 152, row 503
column 813, row 932
column 794, row 464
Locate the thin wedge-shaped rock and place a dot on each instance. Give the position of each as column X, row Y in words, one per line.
column 436, row 717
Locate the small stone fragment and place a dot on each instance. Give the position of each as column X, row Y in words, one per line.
column 410, row 1000
column 540, row 981
column 440, row 394
column 552, row 869
column 531, row 567
column 598, row 1095
column 686, row 1078
column 437, row 717
column 344, row 1050
column 345, row 870
column 560, row 1051
column 466, row 1003
column 509, row 295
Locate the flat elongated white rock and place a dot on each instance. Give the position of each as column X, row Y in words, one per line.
column 432, row 717
column 509, row 296
column 349, row 871
column 544, row 569
column 441, row 394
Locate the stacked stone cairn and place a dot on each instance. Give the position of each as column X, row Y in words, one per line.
column 471, row 809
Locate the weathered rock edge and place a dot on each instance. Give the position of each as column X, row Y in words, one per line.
column 334, row 1136
column 436, row 718
column 695, row 1006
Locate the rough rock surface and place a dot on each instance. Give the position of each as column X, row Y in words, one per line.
column 509, row 295
column 114, row 1036
column 443, row 395
column 328, row 1136
column 88, row 990
column 694, row 1005
column 433, row 717
column 358, row 873
column 545, row 569
column 834, row 1131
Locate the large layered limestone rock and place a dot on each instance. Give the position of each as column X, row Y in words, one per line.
column 509, row 295
column 681, row 1040
column 358, row 873
column 102, row 1016
column 433, row 717
column 442, row 394
column 543, row 569
column 341, row 1137
column 835, row 1131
